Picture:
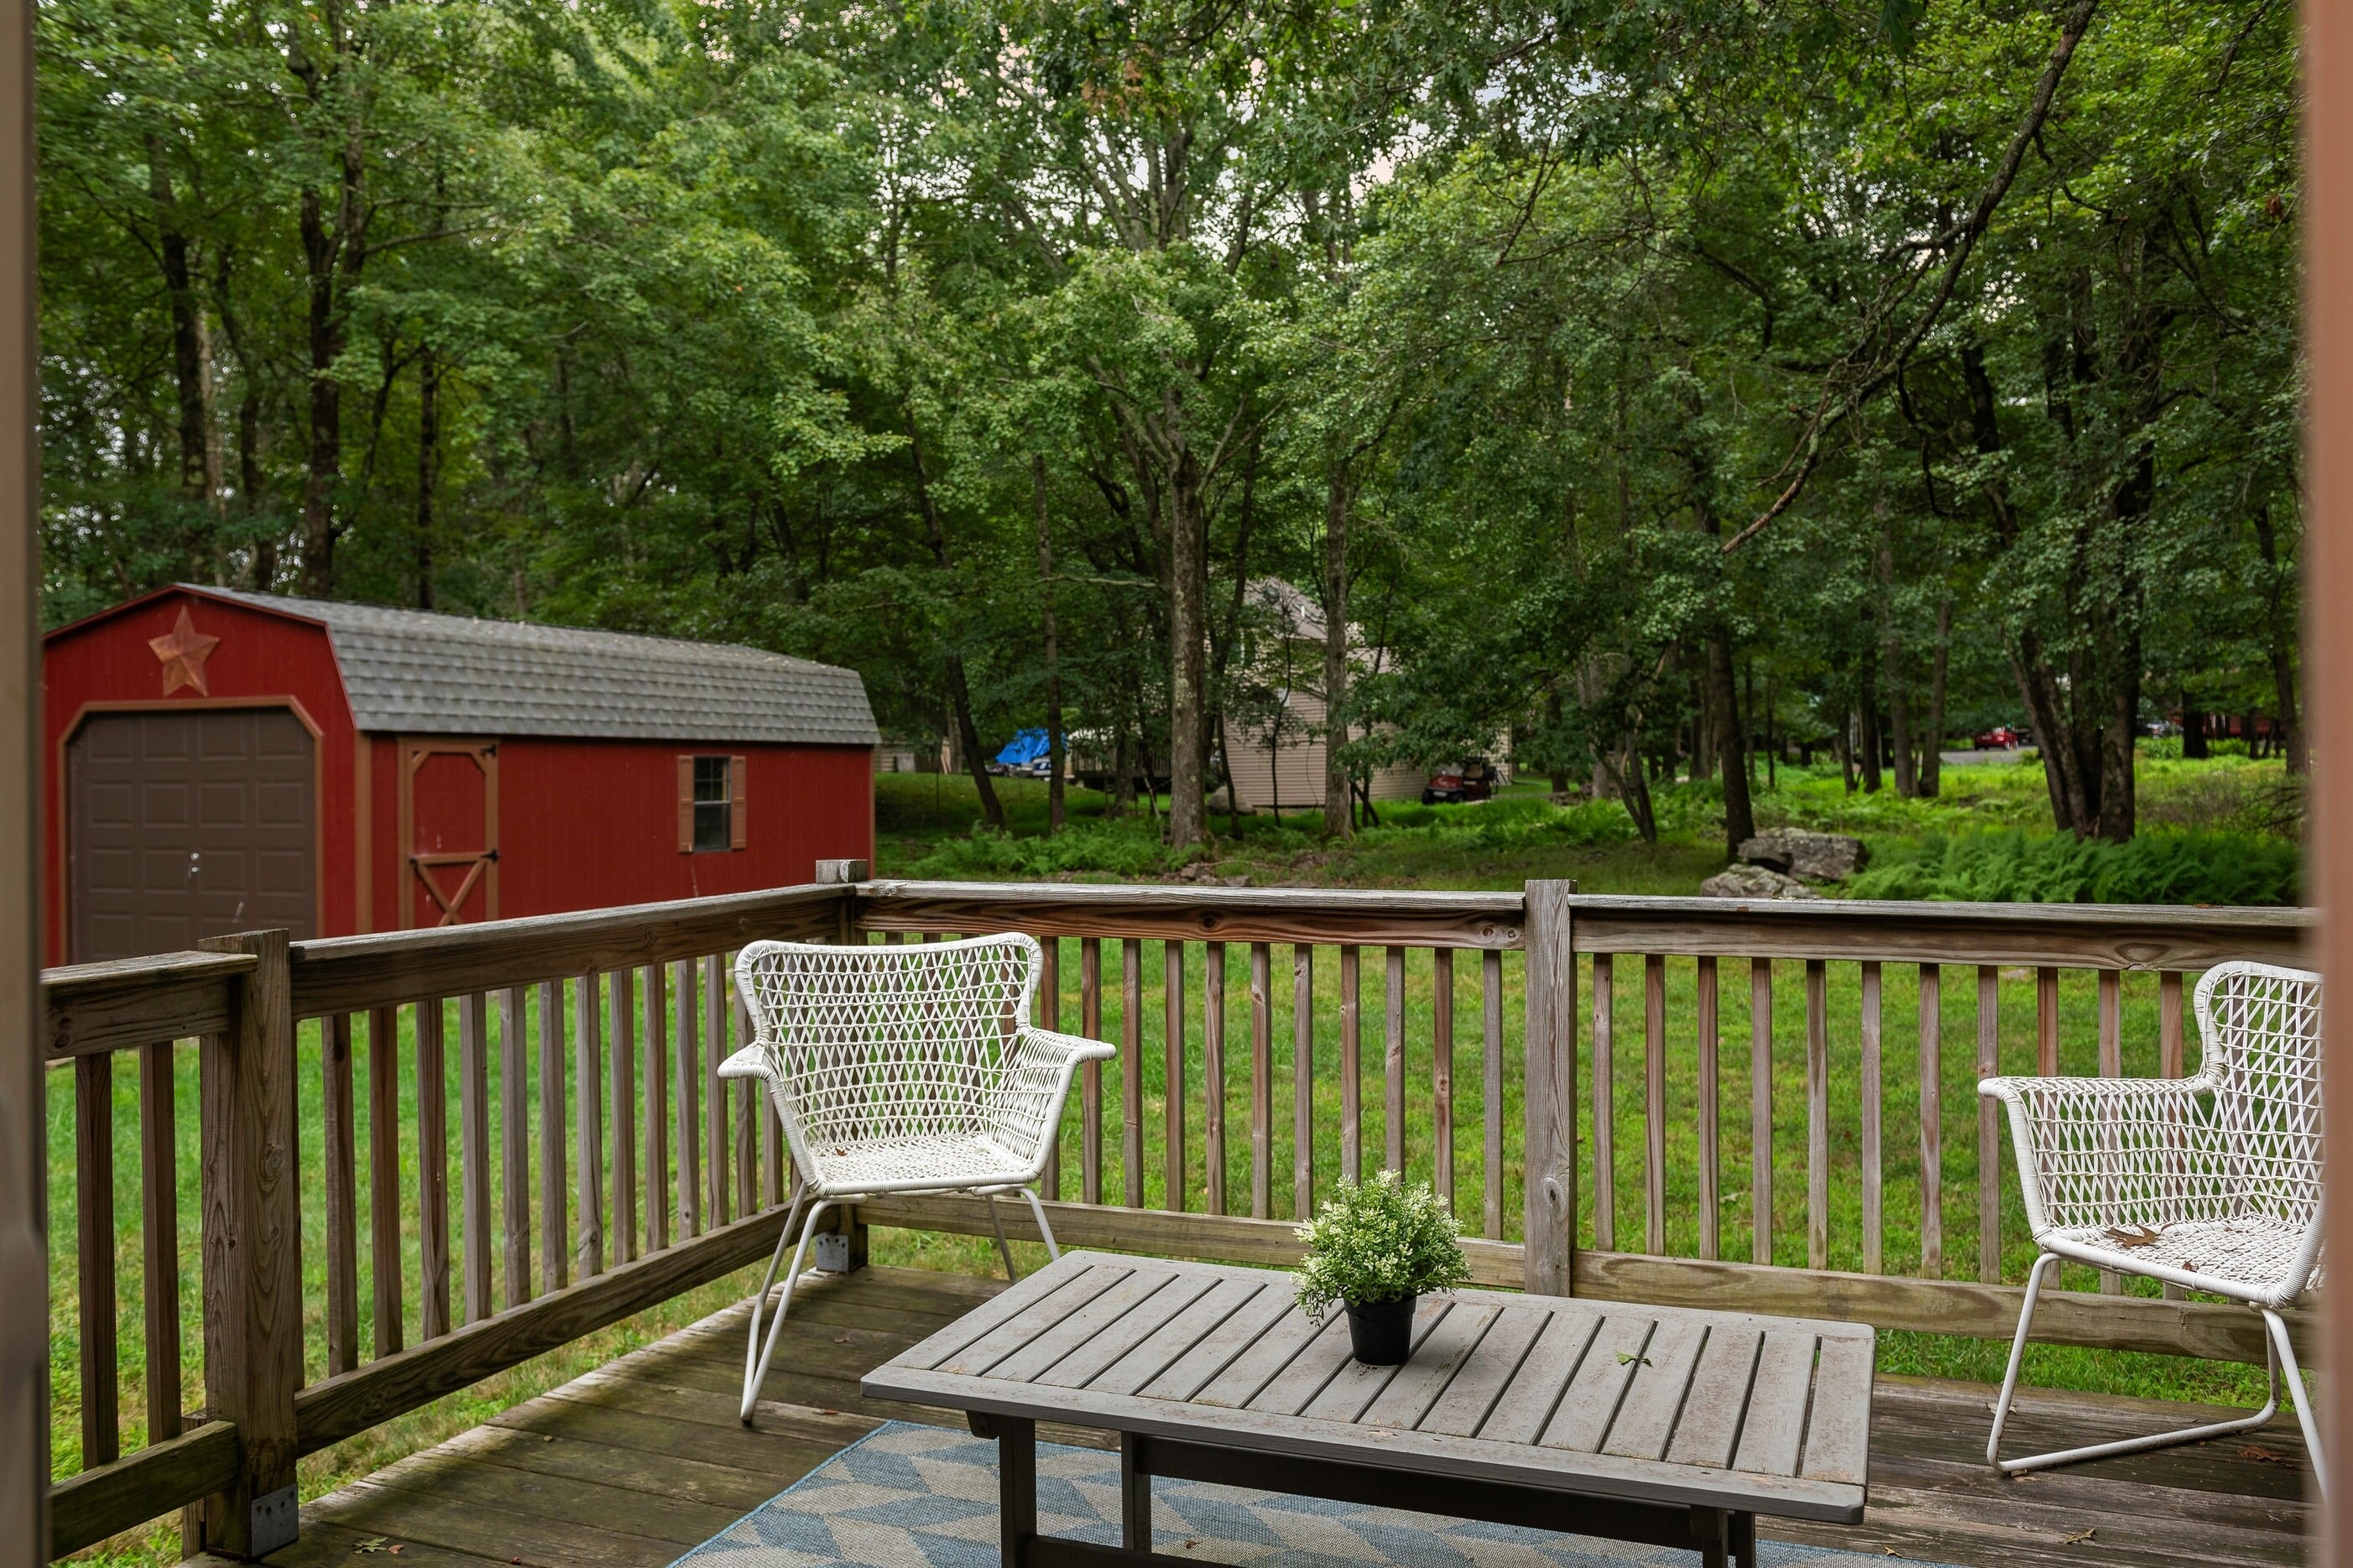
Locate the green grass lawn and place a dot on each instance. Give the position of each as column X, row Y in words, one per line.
column 925, row 822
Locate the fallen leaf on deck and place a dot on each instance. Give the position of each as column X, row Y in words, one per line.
column 2079, row 1535
column 2132, row 1236
column 2268, row 1456
column 1628, row 1358
column 373, row 1544
column 842, row 1341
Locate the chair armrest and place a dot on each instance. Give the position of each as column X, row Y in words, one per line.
column 1045, row 1046
column 1026, row 1103
column 752, row 1061
column 2104, row 1150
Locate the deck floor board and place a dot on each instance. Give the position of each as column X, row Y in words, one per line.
column 639, row 1461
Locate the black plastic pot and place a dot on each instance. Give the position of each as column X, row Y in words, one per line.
column 1381, row 1332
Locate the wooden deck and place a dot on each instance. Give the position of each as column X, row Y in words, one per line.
column 641, row 1461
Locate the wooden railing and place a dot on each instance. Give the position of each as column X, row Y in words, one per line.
column 1272, row 1044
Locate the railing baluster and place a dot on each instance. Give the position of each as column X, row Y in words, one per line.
column 2046, row 1022
column 102, row 1440
column 1760, row 1110
column 515, row 1126
column 1049, row 1018
column 588, row 1091
column 1818, row 1116
column 383, row 1174
column 1213, row 1074
column 1932, row 1122
column 1655, row 1103
column 2111, row 1064
column 1605, row 1100
column 621, row 1099
column 1172, row 1029
column 1441, row 1072
column 1302, row 1081
column 1393, row 1060
column 1711, row 1216
column 1262, row 1087
column 657, row 1170
column 714, row 1090
column 686, row 1076
column 1131, row 1071
column 1091, row 1073
column 474, row 1148
column 1988, row 1128
column 1875, row 1219
column 734, row 1026
column 2170, row 1054
column 159, row 1209
column 554, row 1222
column 1491, row 1099
column 1352, row 1066
column 432, row 1172
column 340, row 1139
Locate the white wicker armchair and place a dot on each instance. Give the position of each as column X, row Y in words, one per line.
column 2211, row 1183
column 906, row 1068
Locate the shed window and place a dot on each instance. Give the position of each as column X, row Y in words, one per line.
column 711, row 804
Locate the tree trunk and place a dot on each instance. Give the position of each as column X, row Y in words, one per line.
column 2280, row 626
column 1731, row 744
column 1932, row 744
column 1187, row 699
column 992, row 811
column 1892, row 665
column 1055, row 746
column 1339, row 814
column 326, row 456
column 187, row 331
column 1868, row 739
column 428, row 468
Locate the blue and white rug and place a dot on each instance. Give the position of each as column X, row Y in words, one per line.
column 908, row 1496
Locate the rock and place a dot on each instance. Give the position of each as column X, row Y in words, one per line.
column 1815, row 857
column 1753, row 882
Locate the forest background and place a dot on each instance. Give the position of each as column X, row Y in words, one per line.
column 1658, row 383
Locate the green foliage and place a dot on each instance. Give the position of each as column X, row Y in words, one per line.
column 1128, row 847
column 2018, row 867
column 1381, row 1240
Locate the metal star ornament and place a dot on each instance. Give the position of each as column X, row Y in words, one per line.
column 182, row 655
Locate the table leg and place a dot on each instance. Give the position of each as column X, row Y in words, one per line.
column 1016, row 1481
column 1744, row 1540
column 1711, row 1535
column 1134, row 1495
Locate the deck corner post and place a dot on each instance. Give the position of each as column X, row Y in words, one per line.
column 845, row 874
column 846, row 1222
column 1549, row 1234
column 252, row 1248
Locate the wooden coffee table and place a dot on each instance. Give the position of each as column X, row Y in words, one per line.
column 1656, row 1424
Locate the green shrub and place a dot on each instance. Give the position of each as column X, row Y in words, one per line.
column 1380, row 1241
column 2017, row 867
column 1128, row 847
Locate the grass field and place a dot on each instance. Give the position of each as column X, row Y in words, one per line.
column 919, row 827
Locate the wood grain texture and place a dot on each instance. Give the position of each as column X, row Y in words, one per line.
column 93, row 1201
column 1707, row 1090
column 159, row 1239
column 1091, row 1073
column 432, row 1174
column 1131, row 1071
column 1605, row 1101
column 474, row 1148
column 1549, row 1151
column 1172, row 1035
column 514, row 1142
column 91, row 1009
column 340, row 1141
column 1188, row 913
column 104, row 1498
column 555, row 1210
column 718, row 1132
column 621, row 1094
column 1213, row 1074
column 1049, row 1017
column 2046, row 1020
column 656, row 1173
column 1817, row 1117
column 1932, row 1122
column 588, row 1092
column 686, row 1083
column 1760, row 1110
column 1871, row 1072
column 252, row 1234
column 2169, row 1037
column 1441, row 1072
column 383, row 1177
column 1655, row 1103
column 1352, row 1064
column 1302, row 1081
column 1989, row 1127
column 1491, row 1096
column 348, row 974
column 1262, row 1081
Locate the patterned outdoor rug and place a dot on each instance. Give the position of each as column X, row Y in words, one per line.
column 926, row 1497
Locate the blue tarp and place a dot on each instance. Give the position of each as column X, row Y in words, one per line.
column 1026, row 747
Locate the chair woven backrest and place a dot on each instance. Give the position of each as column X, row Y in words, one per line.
column 2261, row 1028
column 878, row 1045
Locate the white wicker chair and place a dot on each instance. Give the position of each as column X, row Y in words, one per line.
column 2211, row 1183
column 905, row 1068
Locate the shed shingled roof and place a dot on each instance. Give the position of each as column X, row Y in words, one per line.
column 416, row 672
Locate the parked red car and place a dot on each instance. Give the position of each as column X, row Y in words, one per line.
column 1454, row 781
column 2000, row 735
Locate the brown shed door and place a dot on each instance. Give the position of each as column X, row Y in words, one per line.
column 189, row 822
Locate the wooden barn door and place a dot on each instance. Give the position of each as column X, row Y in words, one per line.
column 449, row 831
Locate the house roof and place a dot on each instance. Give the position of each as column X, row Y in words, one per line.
column 416, row 672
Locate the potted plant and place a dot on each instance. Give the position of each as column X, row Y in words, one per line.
column 1373, row 1250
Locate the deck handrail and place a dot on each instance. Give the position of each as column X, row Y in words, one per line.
column 638, row 1176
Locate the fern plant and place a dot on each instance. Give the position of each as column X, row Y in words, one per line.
column 1380, row 1241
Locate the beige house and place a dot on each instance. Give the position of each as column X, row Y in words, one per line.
column 1274, row 737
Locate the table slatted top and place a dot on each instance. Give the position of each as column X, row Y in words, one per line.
column 1657, row 1404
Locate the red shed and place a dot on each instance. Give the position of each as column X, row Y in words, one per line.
column 225, row 761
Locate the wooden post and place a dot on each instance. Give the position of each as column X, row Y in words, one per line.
column 252, row 1250
column 1549, row 1226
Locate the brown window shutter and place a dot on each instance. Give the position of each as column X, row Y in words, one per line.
column 686, row 806
column 739, row 771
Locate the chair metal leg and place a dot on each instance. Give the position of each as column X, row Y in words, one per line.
column 2042, row 1266
column 1004, row 1248
column 756, row 1372
column 1054, row 1253
column 2284, row 1359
